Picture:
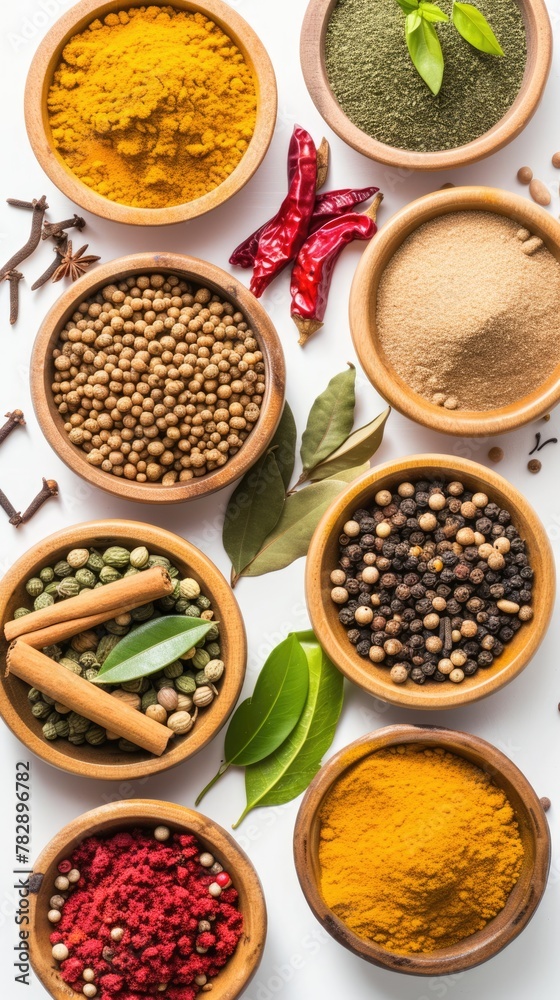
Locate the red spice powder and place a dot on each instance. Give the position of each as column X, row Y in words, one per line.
column 157, row 893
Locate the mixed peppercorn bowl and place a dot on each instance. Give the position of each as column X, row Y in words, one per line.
column 375, row 677
column 109, row 760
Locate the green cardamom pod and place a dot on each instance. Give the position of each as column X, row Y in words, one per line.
column 149, row 698
column 114, row 629
column 109, row 574
column 20, row 612
column 173, row 572
column 131, row 571
column 68, row 587
column 62, row 568
column 139, row 557
column 200, row 659
column 85, row 577
column 91, row 673
column 34, row 695
column 166, row 603
column 137, row 686
column 44, row 600
column 186, row 684
column 40, row 710
column 88, row 660
column 49, row 731
column 181, row 605
column 128, row 747
column 142, row 613
column 116, row 556
column 73, row 665
column 96, row 735
column 213, row 648
column 62, row 728
column 34, row 586
column 54, row 652
column 174, row 669
column 192, row 611
column 46, row 574
column 204, row 603
column 95, row 561
column 52, row 588
column 76, row 738
column 77, row 723
column 159, row 561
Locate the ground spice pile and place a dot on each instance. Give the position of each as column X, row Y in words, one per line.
column 144, row 912
column 468, row 311
column 378, row 88
column 419, row 849
column 152, row 106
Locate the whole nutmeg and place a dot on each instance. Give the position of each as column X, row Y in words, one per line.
column 180, row 722
column 167, row 698
column 202, row 697
column 189, row 588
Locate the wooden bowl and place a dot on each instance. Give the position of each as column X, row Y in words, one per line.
column 40, row 75
column 109, row 819
column 108, row 761
column 539, row 57
column 322, row 558
column 525, row 895
column 363, row 300
column 199, row 272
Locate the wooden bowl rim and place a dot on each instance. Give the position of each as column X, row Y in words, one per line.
column 363, row 297
column 42, row 65
column 142, row 812
column 367, row 675
column 199, row 272
column 232, row 623
column 539, row 46
column 485, row 943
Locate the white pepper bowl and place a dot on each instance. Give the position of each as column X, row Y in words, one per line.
column 198, row 273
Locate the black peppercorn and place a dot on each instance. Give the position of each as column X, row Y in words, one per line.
column 418, row 675
column 353, row 635
column 485, row 659
column 363, row 647
column 345, row 616
column 469, row 668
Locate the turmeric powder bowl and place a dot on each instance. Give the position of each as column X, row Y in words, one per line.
column 147, row 814
column 148, row 116
column 497, row 784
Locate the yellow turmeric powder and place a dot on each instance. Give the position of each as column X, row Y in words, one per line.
column 152, row 106
column 418, row 849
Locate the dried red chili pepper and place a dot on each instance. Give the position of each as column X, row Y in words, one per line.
column 282, row 237
column 244, row 255
column 314, row 267
column 334, row 203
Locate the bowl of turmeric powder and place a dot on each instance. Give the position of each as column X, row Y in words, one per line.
column 423, row 850
column 154, row 114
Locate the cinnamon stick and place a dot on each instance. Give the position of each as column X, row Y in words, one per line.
column 52, row 634
column 134, row 590
column 36, row 669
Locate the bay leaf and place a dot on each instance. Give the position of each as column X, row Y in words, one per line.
column 253, row 510
column 284, row 445
column 359, row 447
column 151, row 647
column 330, row 420
column 291, row 537
column 283, row 775
column 262, row 722
column 425, row 50
column 474, row 28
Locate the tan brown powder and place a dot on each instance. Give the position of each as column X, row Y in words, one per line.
column 464, row 312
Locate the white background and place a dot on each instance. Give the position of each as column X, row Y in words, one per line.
column 521, row 720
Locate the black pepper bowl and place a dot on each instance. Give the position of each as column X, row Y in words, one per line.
column 524, row 897
column 109, row 819
column 323, row 557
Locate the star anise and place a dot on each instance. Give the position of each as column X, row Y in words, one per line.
column 73, row 265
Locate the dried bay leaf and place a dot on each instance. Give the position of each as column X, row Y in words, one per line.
column 253, row 510
column 330, row 421
column 302, row 511
column 286, row 773
column 358, row 448
column 262, row 722
column 474, row 28
column 284, row 445
column 151, row 647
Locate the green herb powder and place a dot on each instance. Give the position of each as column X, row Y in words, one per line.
column 378, row 88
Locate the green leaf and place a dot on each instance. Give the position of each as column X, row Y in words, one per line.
column 358, row 448
column 292, row 535
column 253, row 510
column 408, row 5
column 284, row 445
column 262, row 722
column 474, row 28
column 431, row 12
column 150, row 647
column 425, row 51
column 330, row 420
column 283, row 775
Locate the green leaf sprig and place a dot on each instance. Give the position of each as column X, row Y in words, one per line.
column 277, row 735
column 268, row 525
column 151, row 647
column 423, row 42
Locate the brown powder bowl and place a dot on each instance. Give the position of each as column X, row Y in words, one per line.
column 322, row 558
column 524, row 897
column 363, row 303
column 40, row 75
column 199, row 273
column 117, row 816
column 107, row 761
column 539, row 55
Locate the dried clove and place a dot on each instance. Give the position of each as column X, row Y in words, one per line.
column 18, row 203
column 14, row 277
column 15, row 419
column 48, row 489
column 8, row 507
column 59, row 252
column 56, row 229
column 39, row 209
column 538, row 446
